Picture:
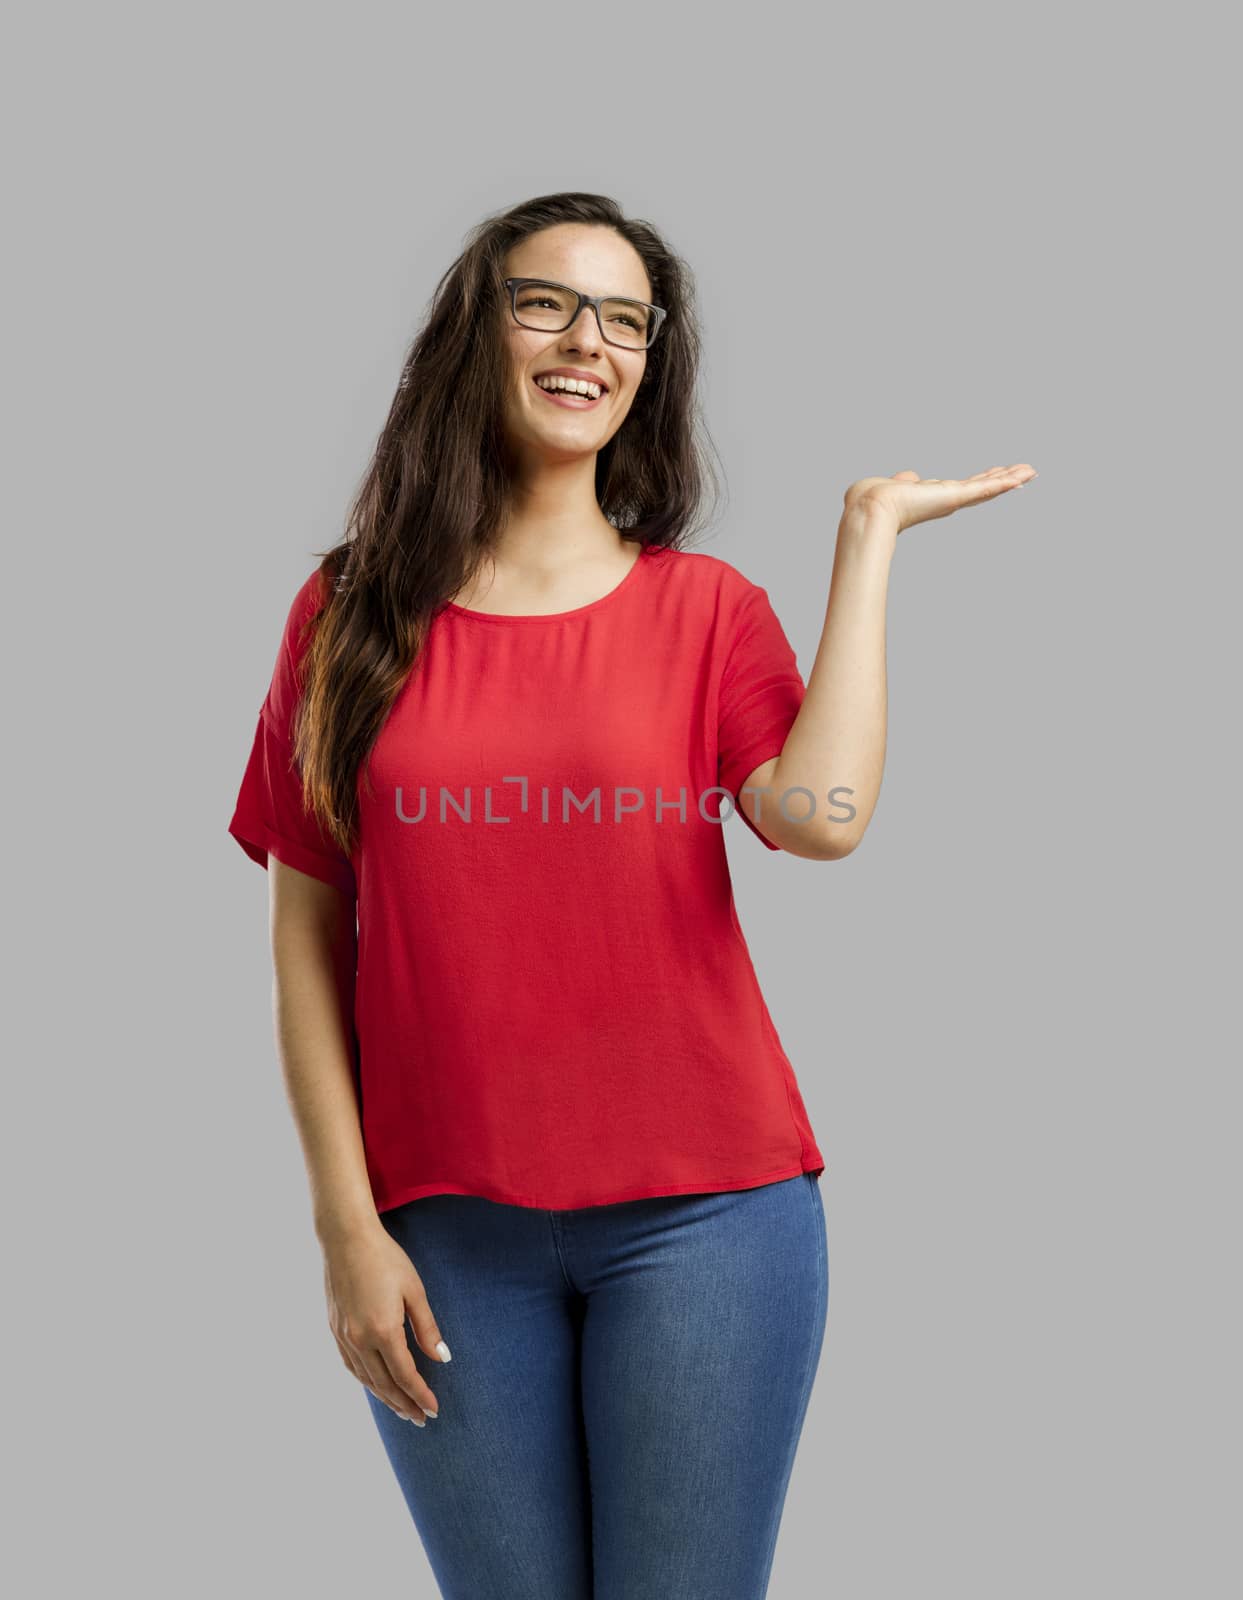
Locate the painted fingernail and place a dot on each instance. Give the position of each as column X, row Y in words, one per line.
column 432, row 1414
column 442, row 1350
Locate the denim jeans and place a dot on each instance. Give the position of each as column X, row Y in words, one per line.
column 626, row 1393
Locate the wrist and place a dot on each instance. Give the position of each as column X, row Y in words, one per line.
column 340, row 1227
column 869, row 521
column 868, row 529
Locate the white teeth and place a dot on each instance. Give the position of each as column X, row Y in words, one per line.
column 591, row 391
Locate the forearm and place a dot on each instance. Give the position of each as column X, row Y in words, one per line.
column 313, row 1001
column 837, row 741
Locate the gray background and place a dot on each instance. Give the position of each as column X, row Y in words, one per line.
column 945, row 239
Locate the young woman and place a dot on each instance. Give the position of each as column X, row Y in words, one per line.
column 547, row 1119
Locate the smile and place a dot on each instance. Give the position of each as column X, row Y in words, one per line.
column 576, row 402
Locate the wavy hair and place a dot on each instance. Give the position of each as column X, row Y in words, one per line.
column 435, row 492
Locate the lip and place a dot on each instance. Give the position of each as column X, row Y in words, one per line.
column 576, row 402
column 574, row 372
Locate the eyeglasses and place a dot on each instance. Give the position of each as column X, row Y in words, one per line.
column 552, row 307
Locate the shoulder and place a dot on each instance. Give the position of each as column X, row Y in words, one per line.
column 296, row 635
column 712, row 579
column 310, row 599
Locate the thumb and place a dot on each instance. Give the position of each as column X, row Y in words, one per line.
column 426, row 1329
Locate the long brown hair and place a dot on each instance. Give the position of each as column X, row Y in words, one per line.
column 434, row 494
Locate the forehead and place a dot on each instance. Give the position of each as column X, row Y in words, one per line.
column 594, row 260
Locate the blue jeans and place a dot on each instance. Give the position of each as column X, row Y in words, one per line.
column 626, row 1395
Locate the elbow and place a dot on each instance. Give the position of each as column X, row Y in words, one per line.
column 831, row 843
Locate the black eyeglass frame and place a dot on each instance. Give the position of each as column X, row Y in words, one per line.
column 595, row 302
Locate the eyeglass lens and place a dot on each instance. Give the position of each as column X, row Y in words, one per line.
column 549, row 308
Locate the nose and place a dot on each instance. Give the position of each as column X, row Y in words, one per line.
column 584, row 334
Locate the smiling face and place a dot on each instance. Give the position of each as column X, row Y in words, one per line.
column 596, row 261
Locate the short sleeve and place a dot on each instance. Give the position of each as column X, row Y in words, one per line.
column 761, row 694
column 271, row 817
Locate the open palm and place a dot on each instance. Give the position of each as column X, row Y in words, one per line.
column 911, row 499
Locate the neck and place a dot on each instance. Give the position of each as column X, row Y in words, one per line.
column 553, row 523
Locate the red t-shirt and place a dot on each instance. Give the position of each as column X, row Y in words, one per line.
column 555, row 1005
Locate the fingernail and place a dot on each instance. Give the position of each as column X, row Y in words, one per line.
column 432, row 1414
column 442, row 1350
column 416, row 1422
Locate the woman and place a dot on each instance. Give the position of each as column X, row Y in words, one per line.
column 546, row 1115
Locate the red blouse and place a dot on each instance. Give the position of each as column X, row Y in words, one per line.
column 555, row 1005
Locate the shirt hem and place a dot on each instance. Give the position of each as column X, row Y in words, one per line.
column 812, row 1162
column 741, row 768
column 259, row 842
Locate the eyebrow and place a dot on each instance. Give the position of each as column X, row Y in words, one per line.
column 614, row 294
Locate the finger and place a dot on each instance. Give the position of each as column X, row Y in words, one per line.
column 402, row 1374
column 1003, row 478
column 404, row 1411
column 380, row 1382
column 426, row 1333
column 369, row 1367
column 981, row 490
column 357, row 1370
column 1019, row 470
column 353, row 1367
column 907, row 475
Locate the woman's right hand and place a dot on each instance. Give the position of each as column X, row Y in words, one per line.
column 371, row 1286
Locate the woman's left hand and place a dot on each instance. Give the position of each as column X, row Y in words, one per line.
column 908, row 498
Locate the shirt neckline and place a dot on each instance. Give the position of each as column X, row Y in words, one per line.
column 555, row 616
